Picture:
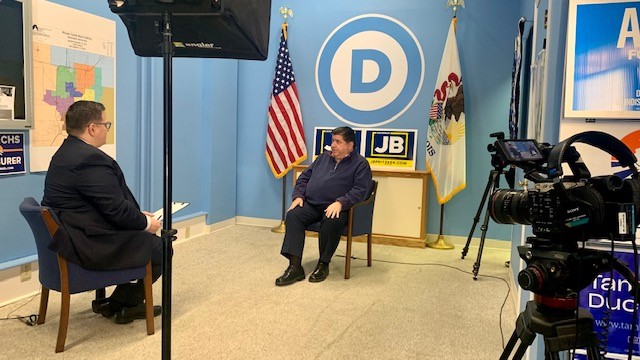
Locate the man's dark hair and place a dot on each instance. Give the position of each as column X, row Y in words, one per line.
column 346, row 132
column 82, row 113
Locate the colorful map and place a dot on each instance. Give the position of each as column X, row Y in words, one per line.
column 61, row 77
column 73, row 59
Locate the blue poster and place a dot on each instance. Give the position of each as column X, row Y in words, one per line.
column 322, row 140
column 603, row 60
column 11, row 153
column 391, row 149
column 611, row 295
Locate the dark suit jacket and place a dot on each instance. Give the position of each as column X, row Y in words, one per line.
column 101, row 224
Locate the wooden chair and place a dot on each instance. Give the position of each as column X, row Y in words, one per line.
column 56, row 273
column 359, row 223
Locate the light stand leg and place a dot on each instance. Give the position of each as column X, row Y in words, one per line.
column 168, row 234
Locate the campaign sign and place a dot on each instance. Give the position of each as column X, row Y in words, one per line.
column 11, row 153
column 606, row 293
column 322, row 140
column 391, row 149
column 603, row 59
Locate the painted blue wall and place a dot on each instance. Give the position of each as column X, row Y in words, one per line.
column 220, row 114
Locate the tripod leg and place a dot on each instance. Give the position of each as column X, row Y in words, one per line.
column 510, row 345
column 593, row 353
column 487, row 189
column 484, row 227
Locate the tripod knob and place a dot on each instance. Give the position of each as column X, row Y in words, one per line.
column 531, row 278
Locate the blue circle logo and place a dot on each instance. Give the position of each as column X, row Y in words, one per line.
column 369, row 70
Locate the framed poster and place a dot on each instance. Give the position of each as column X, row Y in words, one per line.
column 603, row 60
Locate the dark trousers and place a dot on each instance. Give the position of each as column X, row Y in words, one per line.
column 132, row 294
column 328, row 237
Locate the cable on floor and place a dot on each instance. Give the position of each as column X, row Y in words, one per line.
column 504, row 302
column 30, row 320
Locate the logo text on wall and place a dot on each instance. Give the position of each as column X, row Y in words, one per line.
column 369, row 70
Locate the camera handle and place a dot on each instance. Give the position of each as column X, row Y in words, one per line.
column 492, row 184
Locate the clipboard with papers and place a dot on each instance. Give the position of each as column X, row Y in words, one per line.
column 175, row 207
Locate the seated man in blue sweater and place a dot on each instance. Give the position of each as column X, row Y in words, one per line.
column 324, row 192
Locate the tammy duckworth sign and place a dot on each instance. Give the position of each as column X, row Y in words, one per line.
column 385, row 149
column 11, row 153
column 603, row 60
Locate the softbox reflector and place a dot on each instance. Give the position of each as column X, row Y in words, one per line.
column 233, row 29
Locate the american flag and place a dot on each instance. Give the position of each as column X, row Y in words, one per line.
column 286, row 145
column 435, row 112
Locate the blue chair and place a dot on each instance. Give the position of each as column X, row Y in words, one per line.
column 359, row 223
column 56, row 273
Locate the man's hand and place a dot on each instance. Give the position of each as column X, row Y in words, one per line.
column 155, row 223
column 333, row 210
column 296, row 202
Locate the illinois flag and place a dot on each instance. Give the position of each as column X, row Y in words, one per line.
column 446, row 139
column 285, row 146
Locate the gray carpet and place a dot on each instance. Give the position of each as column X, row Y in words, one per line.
column 225, row 306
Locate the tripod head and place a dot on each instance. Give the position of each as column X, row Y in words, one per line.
column 556, row 272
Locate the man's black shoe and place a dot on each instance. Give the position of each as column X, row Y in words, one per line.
column 320, row 273
column 291, row 275
column 127, row 315
column 105, row 306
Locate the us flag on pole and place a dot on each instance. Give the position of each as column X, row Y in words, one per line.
column 286, row 145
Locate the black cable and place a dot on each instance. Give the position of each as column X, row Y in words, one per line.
column 455, row 268
column 30, row 320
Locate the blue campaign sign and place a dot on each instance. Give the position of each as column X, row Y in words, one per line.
column 390, row 148
column 322, row 140
column 11, row 153
column 369, row 70
column 612, row 294
column 603, row 59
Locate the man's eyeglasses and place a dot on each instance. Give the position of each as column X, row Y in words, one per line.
column 106, row 124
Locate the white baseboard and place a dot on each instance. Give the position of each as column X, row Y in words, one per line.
column 460, row 242
column 244, row 220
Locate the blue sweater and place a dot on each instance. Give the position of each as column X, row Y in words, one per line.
column 326, row 181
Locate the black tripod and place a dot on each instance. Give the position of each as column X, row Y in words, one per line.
column 492, row 184
column 562, row 330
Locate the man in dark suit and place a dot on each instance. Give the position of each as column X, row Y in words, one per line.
column 102, row 227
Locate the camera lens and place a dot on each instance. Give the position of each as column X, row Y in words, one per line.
column 509, row 207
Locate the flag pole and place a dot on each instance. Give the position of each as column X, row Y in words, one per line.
column 281, row 228
column 285, row 11
column 440, row 243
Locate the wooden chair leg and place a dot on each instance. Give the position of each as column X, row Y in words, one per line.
column 347, row 265
column 148, row 299
column 64, row 306
column 369, row 249
column 44, row 302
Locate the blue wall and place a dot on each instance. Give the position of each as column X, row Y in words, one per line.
column 220, row 113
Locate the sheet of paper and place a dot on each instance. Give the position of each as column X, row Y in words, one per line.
column 175, row 206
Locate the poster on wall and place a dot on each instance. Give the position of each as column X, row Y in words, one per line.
column 322, row 140
column 11, row 153
column 390, row 149
column 73, row 59
column 603, row 60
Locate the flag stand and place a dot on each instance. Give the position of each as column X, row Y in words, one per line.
column 281, row 228
column 441, row 243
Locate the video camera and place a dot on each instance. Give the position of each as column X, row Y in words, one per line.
column 570, row 208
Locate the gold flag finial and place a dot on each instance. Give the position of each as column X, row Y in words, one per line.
column 455, row 4
column 286, row 12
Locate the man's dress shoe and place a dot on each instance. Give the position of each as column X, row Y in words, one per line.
column 320, row 273
column 128, row 314
column 106, row 307
column 291, row 275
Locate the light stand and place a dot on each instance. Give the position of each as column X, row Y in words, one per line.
column 236, row 29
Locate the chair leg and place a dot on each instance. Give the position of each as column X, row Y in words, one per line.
column 101, row 294
column 148, row 300
column 64, row 304
column 369, row 249
column 347, row 265
column 44, row 301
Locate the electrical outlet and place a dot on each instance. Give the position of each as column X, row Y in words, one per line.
column 25, row 272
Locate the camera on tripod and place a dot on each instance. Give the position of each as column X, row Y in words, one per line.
column 564, row 211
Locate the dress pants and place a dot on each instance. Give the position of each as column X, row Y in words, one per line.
column 131, row 294
column 328, row 237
